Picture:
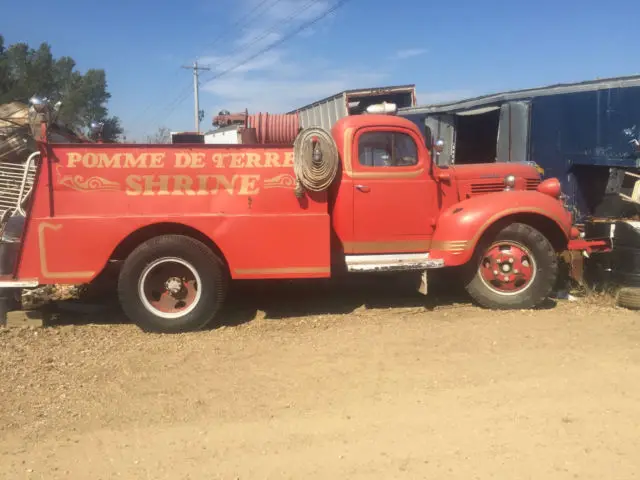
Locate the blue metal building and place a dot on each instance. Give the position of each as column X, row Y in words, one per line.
column 586, row 134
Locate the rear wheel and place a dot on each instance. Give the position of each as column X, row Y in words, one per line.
column 172, row 284
column 516, row 269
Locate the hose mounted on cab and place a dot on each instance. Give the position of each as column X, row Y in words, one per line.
column 316, row 160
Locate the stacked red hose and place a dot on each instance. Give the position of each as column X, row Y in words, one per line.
column 279, row 128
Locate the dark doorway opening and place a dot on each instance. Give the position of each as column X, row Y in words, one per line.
column 476, row 137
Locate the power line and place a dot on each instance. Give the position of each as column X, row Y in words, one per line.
column 271, row 30
column 239, row 24
column 184, row 93
column 301, row 28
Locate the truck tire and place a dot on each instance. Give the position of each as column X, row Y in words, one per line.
column 515, row 269
column 629, row 297
column 172, row 284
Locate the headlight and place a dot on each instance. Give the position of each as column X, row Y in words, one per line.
column 510, row 182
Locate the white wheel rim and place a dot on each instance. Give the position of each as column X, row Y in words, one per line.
column 145, row 278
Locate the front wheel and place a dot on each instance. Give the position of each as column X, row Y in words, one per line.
column 516, row 269
column 171, row 284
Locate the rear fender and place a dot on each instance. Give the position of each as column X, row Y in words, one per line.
column 461, row 226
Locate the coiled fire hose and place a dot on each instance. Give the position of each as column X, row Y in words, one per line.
column 315, row 161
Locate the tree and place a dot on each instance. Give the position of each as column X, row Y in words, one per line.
column 163, row 135
column 25, row 72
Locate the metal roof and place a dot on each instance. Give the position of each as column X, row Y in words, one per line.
column 359, row 92
column 599, row 84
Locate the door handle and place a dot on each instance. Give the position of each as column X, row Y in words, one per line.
column 363, row 188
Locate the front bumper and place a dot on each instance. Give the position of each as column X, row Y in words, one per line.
column 589, row 246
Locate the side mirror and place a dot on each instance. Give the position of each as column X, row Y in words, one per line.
column 439, row 146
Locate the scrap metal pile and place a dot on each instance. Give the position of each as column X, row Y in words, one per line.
column 16, row 144
column 16, row 141
column 18, row 130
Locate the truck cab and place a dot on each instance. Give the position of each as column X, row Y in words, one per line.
column 393, row 201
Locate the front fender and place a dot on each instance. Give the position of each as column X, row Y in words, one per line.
column 461, row 226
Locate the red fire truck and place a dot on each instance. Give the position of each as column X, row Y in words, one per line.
column 185, row 220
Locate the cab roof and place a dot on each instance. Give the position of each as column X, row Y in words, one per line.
column 365, row 120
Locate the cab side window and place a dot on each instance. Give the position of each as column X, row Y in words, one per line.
column 387, row 149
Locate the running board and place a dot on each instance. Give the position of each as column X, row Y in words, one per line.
column 19, row 283
column 391, row 262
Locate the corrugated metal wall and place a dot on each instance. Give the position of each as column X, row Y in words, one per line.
column 324, row 114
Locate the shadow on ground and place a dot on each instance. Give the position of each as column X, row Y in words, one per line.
column 279, row 300
column 274, row 300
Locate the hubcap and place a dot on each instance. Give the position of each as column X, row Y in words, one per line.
column 507, row 268
column 169, row 287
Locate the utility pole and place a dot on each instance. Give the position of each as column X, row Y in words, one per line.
column 196, row 87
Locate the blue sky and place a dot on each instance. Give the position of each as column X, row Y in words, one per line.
column 448, row 49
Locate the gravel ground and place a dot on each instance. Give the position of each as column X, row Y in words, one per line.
column 319, row 382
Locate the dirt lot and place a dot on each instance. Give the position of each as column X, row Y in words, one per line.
column 370, row 385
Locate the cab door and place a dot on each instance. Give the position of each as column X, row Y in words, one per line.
column 394, row 195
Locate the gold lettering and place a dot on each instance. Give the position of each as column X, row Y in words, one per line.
column 162, row 183
column 135, row 162
column 133, row 185
column 182, row 185
column 106, row 160
column 73, row 158
column 183, row 160
column 272, row 159
column 197, row 160
column 253, row 160
column 236, row 160
column 109, row 162
column 288, row 159
column 217, row 160
column 202, row 185
column 157, row 160
column 248, row 184
column 177, row 185
column 222, row 181
column 90, row 160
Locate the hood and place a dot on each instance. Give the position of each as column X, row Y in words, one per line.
column 482, row 178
